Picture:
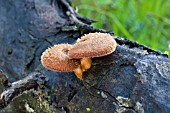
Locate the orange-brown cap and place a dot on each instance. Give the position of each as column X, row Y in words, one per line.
column 93, row 45
column 55, row 58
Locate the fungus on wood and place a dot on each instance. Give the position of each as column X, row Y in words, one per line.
column 56, row 58
column 67, row 57
column 134, row 78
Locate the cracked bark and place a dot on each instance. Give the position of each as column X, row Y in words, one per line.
column 32, row 81
column 134, row 78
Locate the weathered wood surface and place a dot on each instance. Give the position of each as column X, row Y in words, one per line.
column 132, row 79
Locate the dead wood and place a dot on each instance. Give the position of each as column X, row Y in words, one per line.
column 133, row 79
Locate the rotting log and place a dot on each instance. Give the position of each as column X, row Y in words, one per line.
column 133, row 79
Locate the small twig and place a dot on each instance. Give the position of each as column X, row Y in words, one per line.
column 70, row 12
column 32, row 81
column 81, row 22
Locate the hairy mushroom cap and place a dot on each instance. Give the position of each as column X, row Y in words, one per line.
column 93, row 45
column 55, row 58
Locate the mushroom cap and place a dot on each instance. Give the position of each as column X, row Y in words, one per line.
column 55, row 58
column 93, row 45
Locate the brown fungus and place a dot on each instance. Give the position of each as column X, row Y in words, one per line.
column 77, row 57
column 55, row 58
column 93, row 45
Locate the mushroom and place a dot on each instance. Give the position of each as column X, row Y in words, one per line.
column 56, row 58
column 77, row 57
column 89, row 46
column 93, row 45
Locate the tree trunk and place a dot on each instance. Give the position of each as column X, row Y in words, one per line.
column 132, row 79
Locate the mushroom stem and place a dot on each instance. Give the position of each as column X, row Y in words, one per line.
column 78, row 72
column 85, row 63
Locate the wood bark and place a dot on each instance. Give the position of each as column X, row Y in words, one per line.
column 133, row 79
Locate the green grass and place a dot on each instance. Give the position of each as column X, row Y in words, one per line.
column 144, row 21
